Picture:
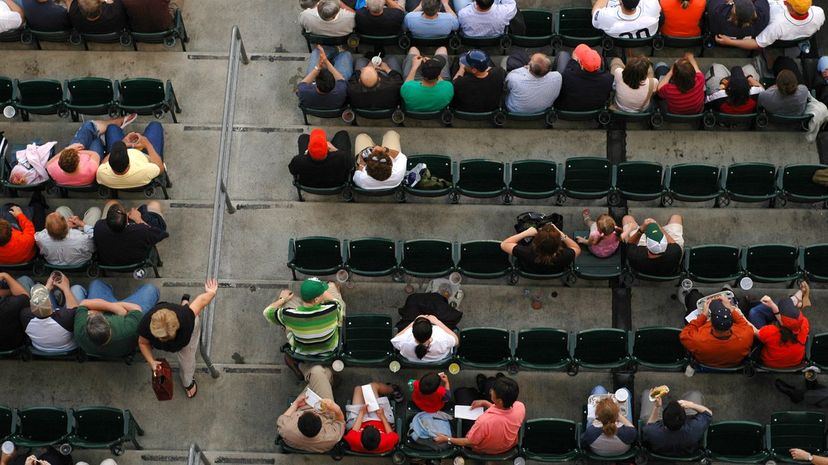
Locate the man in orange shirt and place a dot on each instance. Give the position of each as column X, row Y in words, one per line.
column 720, row 336
column 17, row 245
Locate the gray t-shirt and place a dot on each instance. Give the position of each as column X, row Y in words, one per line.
column 791, row 105
column 528, row 93
column 341, row 25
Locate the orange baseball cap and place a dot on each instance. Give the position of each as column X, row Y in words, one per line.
column 318, row 145
column 589, row 59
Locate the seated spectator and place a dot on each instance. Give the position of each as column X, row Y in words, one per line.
column 789, row 20
column 97, row 16
column 325, row 85
column 14, row 297
column 431, row 392
column 531, row 85
column 321, row 163
column 681, row 87
column 77, row 164
column 134, row 160
column 149, row 15
column 680, row 431
column 496, row 431
column 379, row 167
column 719, row 336
column 312, row 323
column 737, row 18
column 782, row 329
column 426, row 339
column 380, row 18
column 67, row 239
column 626, row 19
column 604, row 235
column 176, row 328
column 682, row 18
column 585, row 85
column 11, row 16
column 733, row 91
column 46, row 15
column 126, row 238
column 327, row 19
column 50, row 456
column 372, row 432
column 48, row 325
column 549, row 250
column 485, row 18
column 634, row 84
column 17, row 236
column 787, row 97
column 375, row 87
column 609, row 433
column 653, row 249
column 478, row 84
column 313, row 428
column 108, row 327
column 30, row 164
column 427, row 84
column 427, row 21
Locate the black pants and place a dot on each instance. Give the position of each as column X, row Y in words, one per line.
column 341, row 140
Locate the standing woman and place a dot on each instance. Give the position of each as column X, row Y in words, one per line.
column 176, row 328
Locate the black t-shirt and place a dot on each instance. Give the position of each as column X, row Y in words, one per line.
column 132, row 245
column 186, row 321
column 333, row 171
column 47, row 16
column 583, row 91
column 63, row 316
column 479, row 94
column 386, row 94
column 387, row 24
column 12, row 331
column 148, row 15
column 664, row 265
column 526, row 259
column 112, row 19
column 719, row 10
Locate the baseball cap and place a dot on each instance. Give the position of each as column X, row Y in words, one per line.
column 656, row 242
column 799, row 6
column 588, row 58
column 312, row 288
column 39, row 302
column 744, row 11
column 431, row 68
column 791, row 316
column 720, row 316
column 318, row 145
column 477, row 59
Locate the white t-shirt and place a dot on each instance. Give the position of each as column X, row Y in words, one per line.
column 361, row 178
column 440, row 348
column 9, row 19
column 783, row 27
column 632, row 100
column 640, row 25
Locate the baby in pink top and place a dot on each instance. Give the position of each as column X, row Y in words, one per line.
column 604, row 235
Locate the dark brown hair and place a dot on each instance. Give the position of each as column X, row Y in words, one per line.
column 68, row 160
column 635, row 71
column 786, row 82
column 378, row 165
column 547, row 245
column 684, row 75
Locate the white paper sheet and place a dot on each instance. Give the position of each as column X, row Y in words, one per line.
column 370, row 398
column 313, row 399
column 466, row 412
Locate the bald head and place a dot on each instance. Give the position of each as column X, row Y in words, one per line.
column 56, row 226
column 368, row 77
column 539, row 64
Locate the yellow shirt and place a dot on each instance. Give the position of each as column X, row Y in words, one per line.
column 140, row 173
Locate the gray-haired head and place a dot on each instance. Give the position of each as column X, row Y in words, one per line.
column 375, row 6
column 98, row 329
column 328, row 9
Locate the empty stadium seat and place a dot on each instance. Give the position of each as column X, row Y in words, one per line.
column 587, row 177
column 8, row 423
column 713, row 263
column 367, row 340
column 533, row 179
column 89, row 96
column 814, row 263
column 426, row 258
column 601, row 349
column 6, row 92
column 480, row 179
column 372, row 256
column 735, row 442
column 691, row 182
column 104, row 428
column 749, row 182
column 658, row 348
column 314, row 256
column 487, row 348
column 818, row 351
column 39, row 97
column 42, row 427
column 539, row 29
column 550, row 440
column 795, row 184
column 543, row 349
column 147, row 96
column 573, row 26
column 771, row 263
column 804, row 430
column 483, row 260
column 636, row 180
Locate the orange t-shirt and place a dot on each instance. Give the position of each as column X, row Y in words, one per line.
column 21, row 246
column 698, row 339
column 680, row 22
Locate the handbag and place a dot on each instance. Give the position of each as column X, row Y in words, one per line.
column 162, row 382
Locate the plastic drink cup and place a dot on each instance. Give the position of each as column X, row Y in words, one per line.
column 342, row 276
column 9, row 112
column 455, row 278
column 622, row 395
column 376, row 61
column 8, row 448
column 454, row 368
column 746, row 283
column 394, row 366
column 686, row 284
column 338, row 365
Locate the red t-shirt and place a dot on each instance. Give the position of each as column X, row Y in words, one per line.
column 430, row 403
column 387, row 440
column 778, row 355
column 743, row 109
column 688, row 103
column 679, row 22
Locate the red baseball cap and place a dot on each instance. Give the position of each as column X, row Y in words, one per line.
column 318, row 145
column 588, row 58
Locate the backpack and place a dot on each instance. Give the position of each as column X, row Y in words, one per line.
column 430, row 182
column 426, row 426
column 528, row 220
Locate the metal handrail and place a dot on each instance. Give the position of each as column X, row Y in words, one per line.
column 236, row 55
column 196, row 456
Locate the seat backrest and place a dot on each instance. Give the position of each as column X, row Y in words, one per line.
column 805, row 430
column 819, row 349
column 367, row 335
column 576, row 22
column 797, row 179
column 426, row 255
column 141, row 92
column 481, row 174
column 772, row 260
column 639, row 177
column 483, row 257
column 589, row 174
column 39, row 92
column 318, row 252
column 99, row 424
column 90, row 91
column 713, row 261
column 372, row 254
column 7, row 426
column 694, row 179
column 751, row 178
column 550, row 436
column 43, row 424
column 539, row 23
column 438, row 165
column 815, row 259
column 6, row 89
column 735, row 438
column 542, row 346
column 658, row 345
column 484, row 345
column 601, row 345
column 534, row 175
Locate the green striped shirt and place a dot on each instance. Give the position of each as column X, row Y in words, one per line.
column 310, row 330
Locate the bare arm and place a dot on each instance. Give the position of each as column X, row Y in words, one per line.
column 510, row 242
column 153, row 155
column 748, row 43
column 14, row 287
column 656, row 411
column 598, row 5
column 694, row 406
column 800, row 454
column 198, row 304
column 394, row 4
column 311, row 76
column 415, row 65
column 146, row 350
column 345, row 7
column 104, row 306
column 692, row 59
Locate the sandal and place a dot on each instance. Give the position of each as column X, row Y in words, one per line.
column 128, row 119
column 806, row 294
column 192, row 387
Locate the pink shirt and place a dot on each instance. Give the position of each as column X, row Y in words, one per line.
column 83, row 175
column 496, row 431
column 605, row 246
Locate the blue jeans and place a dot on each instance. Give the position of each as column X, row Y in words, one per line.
column 342, row 61
column 761, row 315
column 89, row 137
column 460, row 4
column 822, row 65
column 600, row 390
column 154, row 132
column 145, row 296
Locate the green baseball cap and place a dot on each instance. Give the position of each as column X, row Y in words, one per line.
column 656, row 242
column 312, row 288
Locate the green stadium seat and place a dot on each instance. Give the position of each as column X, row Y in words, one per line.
column 661, row 41
column 89, row 96
column 636, row 180
column 313, row 39
column 818, row 351
column 496, row 117
column 315, row 256
column 42, row 427
column 486, row 348
column 610, row 43
column 367, row 340
column 321, row 112
column 335, row 190
column 645, row 116
column 590, row 267
column 39, row 97
column 550, row 440
column 658, row 348
column 795, row 184
column 9, row 161
column 169, row 37
column 543, row 349
column 440, row 166
column 539, row 29
column 372, row 256
column 795, row 121
column 573, row 26
column 105, row 428
column 601, row 115
column 534, row 179
column 122, row 37
column 749, row 182
column 746, row 120
column 601, row 349
column 587, row 177
column 501, row 40
column 735, row 442
column 548, row 116
column 8, row 423
column 147, row 96
column 803, row 430
column 60, row 37
column 483, row 260
column 771, row 263
column 374, row 40
column 6, row 92
column 691, row 182
column 713, row 263
column 481, row 179
column 425, row 258
column 139, row 269
column 813, row 263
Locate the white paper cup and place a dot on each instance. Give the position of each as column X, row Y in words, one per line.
column 622, row 395
column 746, row 283
column 338, row 365
column 8, row 447
column 9, row 112
column 376, row 61
column 342, row 276
column 455, row 278
column 394, row 366
column 108, row 462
